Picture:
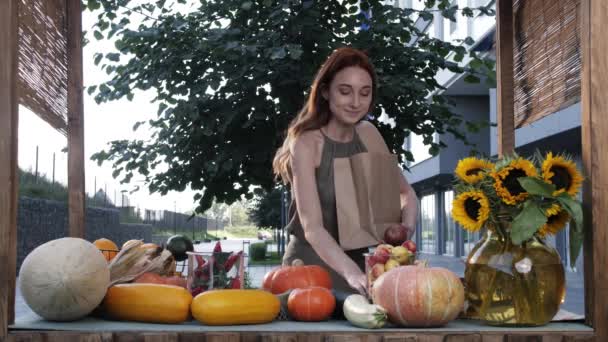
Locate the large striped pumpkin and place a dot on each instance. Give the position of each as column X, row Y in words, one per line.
column 416, row 296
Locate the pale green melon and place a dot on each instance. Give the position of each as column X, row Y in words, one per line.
column 64, row 279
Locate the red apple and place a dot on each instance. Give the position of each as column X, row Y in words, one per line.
column 410, row 245
column 376, row 259
column 382, row 254
column 395, row 235
column 377, row 271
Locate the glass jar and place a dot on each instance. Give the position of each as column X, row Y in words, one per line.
column 513, row 285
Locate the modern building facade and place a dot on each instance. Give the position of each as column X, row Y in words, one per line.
column 432, row 176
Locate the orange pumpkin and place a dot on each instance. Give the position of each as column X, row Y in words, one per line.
column 311, row 304
column 107, row 247
column 267, row 282
column 150, row 278
column 177, row 281
column 297, row 276
column 419, row 296
column 155, row 278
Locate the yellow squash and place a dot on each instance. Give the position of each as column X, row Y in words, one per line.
column 154, row 303
column 232, row 307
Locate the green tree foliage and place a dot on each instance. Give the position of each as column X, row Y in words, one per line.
column 217, row 211
column 230, row 75
column 265, row 210
column 239, row 215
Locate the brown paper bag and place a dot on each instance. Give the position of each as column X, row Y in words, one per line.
column 367, row 198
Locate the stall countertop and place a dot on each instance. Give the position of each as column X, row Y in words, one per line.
column 91, row 324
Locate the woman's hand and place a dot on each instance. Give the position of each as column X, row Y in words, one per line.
column 358, row 281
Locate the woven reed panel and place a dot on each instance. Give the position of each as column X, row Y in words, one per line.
column 43, row 63
column 546, row 57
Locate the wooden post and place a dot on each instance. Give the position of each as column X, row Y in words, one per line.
column 76, row 197
column 9, row 181
column 504, row 77
column 594, row 106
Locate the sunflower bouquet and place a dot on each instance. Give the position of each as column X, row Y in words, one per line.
column 537, row 195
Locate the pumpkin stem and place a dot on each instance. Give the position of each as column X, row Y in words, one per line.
column 297, row 262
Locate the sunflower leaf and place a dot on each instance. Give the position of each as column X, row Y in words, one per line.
column 574, row 209
column 536, row 186
column 576, row 241
column 528, row 222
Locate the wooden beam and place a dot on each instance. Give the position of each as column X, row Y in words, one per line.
column 594, row 106
column 504, row 77
column 9, row 181
column 76, row 189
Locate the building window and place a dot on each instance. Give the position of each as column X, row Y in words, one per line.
column 449, row 232
column 428, row 222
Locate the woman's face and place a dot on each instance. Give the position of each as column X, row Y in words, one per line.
column 349, row 95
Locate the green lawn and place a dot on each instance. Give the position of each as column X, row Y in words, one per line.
column 272, row 259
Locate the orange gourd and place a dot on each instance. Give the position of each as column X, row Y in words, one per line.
column 311, row 304
column 155, row 278
column 419, row 296
column 153, row 303
column 297, row 276
column 150, row 278
column 107, row 247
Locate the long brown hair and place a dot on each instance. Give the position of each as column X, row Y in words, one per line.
column 315, row 113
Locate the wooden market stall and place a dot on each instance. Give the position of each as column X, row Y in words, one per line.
column 41, row 68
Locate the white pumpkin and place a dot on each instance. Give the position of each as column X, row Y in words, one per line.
column 64, row 279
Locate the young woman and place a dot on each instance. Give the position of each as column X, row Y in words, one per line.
column 330, row 125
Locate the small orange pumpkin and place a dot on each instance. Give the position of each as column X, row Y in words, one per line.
column 295, row 277
column 267, row 282
column 311, row 304
column 107, row 247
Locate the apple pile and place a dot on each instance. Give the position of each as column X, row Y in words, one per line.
column 387, row 256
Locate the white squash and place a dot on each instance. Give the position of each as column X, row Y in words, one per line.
column 359, row 312
column 64, row 279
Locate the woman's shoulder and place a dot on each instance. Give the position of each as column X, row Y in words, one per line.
column 371, row 137
column 308, row 143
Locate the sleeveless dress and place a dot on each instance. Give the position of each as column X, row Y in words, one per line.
column 298, row 247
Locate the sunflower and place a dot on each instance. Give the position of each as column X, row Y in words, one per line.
column 562, row 173
column 471, row 210
column 554, row 209
column 505, row 180
column 555, row 223
column 471, row 170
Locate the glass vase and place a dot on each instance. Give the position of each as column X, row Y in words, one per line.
column 513, row 285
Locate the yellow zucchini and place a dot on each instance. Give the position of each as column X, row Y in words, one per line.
column 154, row 303
column 232, row 307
